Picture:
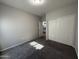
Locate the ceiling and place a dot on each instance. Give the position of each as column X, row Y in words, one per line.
column 38, row 10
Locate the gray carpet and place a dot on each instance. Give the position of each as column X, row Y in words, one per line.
column 51, row 50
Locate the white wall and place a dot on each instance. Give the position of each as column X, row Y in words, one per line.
column 61, row 25
column 40, row 29
column 16, row 27
column 76, row 33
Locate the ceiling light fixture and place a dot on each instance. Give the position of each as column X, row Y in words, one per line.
column 37, row 2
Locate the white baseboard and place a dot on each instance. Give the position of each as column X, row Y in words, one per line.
column 13, row 46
